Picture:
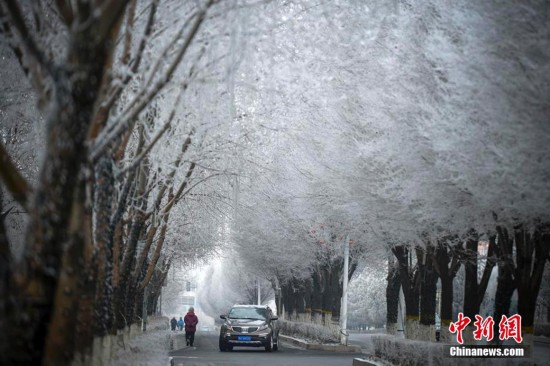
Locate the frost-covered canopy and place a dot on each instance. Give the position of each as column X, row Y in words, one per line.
column 269, row 133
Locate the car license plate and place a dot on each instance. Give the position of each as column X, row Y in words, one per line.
column 244, row 338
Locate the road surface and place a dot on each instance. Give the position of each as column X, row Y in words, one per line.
column 206, row 352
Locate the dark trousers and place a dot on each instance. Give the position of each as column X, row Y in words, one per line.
column 190, row 337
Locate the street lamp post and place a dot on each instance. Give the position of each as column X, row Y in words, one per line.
column 259, row 295
column 344, row 311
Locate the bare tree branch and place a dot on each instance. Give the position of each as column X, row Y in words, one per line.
column 129, row 32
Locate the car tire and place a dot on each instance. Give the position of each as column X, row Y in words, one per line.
column 269, row 345
column 223, row 345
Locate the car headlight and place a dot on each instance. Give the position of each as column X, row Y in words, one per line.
column 263, row 327
column 228, row 328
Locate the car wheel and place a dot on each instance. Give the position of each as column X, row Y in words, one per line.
column 223, row 345
column 276, row 344
column 269, row 345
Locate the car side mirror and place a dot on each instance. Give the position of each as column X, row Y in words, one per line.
column 223, row 316
column 274, row 317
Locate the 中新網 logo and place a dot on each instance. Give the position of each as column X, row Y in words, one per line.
column 508, row 327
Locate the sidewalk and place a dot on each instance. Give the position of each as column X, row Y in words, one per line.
column 363, row 340
column 332, row 347
column 148, row 349
column 177, row 340
column 357, row 343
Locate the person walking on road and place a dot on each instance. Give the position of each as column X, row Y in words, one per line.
column 191, row 322
column 173, row 323
column 180, row 324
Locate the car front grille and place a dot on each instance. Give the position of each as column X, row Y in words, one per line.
column 245, row 329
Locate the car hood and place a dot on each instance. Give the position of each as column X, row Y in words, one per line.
column 245, row 322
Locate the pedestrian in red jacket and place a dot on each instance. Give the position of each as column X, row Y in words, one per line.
column 191, row 321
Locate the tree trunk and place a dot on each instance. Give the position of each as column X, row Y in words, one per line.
column 103, row 197
column 447, row 265
column 288, row 301
column 5, row 275
column 53, row 209
column 275, row 284
column 316, row 299
column 428, row 291
column 505, row 282
column 300, row 298
column 392, row 297
column 333, row 293
column 121, row 297
column 411, row 289
column 308, row 293
column 474, row 291
column 447, row 268
column 531, row 255
column 470, row 279
column 60, row 343
column 86, row 307
column 138, row 305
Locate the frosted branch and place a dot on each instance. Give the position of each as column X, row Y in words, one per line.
column 27, row 46
column 157, row 137
column 121, row 125
column 116, row 90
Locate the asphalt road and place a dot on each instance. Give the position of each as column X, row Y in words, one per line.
column 206, row 353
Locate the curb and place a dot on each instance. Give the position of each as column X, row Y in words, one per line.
column 319, row 347
column 360, row 361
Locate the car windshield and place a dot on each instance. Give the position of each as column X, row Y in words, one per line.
column 248, row 313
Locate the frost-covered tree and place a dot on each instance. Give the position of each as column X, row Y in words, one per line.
column 422, row 124
column 99, row 209
column 367, row 303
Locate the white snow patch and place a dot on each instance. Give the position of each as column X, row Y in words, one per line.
column 149, row 348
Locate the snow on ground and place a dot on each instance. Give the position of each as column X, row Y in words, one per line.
column 149, row 348
column 415, row 352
